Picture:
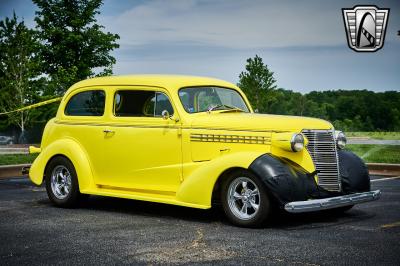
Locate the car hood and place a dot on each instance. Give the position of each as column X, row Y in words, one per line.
column 257, row 122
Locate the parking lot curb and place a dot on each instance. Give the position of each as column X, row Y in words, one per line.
column 382, row 169
column 15, row 170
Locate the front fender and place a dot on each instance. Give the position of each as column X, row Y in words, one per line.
column 286, row 183
column 354, row 173
column 289, row 183
column 197, row 188
column 74, row 152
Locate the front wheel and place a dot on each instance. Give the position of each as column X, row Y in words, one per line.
column 244, row 199
column 62, row 183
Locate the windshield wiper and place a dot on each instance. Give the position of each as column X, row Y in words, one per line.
column 230, row 108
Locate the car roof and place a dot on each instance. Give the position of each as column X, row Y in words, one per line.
column 169, row 82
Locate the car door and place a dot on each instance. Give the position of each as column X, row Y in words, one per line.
column 81, row 121
column 142, row 150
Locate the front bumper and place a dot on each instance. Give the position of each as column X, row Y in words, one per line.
column 331, row 203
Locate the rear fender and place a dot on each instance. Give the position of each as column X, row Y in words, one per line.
column 74, row 152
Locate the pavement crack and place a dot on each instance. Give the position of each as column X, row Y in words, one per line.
column 195, row 251
column 199, row 240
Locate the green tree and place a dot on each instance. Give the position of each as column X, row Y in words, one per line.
column 258, row 83
column 73, row 44
column 19, row 70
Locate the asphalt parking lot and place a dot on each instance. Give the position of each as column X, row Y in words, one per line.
column 118, row 231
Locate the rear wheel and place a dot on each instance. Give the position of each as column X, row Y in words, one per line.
column 244, row 199
column 62, row 183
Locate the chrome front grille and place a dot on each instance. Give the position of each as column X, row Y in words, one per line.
column 322, row 148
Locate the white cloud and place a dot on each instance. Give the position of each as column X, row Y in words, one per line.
column 303, row 42
column 234, row 24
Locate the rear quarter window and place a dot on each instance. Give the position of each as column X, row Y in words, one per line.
column 87, row 103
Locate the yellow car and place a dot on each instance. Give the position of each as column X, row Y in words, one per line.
column 193, row 141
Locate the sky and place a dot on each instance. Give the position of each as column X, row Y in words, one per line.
column 303, row 42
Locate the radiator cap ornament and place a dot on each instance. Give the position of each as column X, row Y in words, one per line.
column 365, row 27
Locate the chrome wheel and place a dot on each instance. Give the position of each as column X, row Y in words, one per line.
column 61, row 182
column 243, row 198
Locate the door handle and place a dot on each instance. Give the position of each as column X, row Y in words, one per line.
column 108, row 131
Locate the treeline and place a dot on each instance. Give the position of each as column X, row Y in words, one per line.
column 349, row 110
column 66, row 45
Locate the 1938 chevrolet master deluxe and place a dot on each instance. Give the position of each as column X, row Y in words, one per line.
column 193, row 141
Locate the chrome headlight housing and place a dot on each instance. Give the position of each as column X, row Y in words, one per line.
column 297, row 142
column 340, row 139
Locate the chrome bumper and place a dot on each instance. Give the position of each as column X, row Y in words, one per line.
column 331, row 203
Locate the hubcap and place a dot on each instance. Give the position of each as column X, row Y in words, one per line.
column 60, row 182
column 243, row 198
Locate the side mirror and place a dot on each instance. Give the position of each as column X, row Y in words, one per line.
column 165, row 114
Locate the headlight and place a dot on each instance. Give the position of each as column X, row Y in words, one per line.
column 297, row 142
column 341, row 139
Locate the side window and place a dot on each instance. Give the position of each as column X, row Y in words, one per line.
column 132, row 103
column 162, row 103
column 87, row 103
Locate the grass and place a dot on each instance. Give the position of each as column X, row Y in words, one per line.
column 375, row 135
column 376, row 153
column 369, row 153
column 8, row 159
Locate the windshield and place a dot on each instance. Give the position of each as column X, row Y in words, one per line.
column 202, row 99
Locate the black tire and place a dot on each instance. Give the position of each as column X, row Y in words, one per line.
column 256, row 217
column 70, row 199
